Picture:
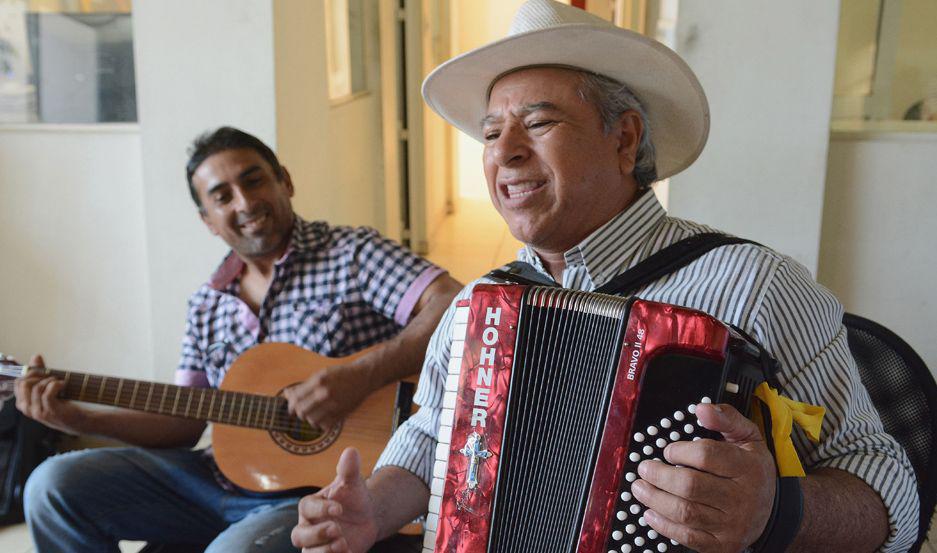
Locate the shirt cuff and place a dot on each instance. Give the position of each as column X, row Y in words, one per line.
column 191, row 378
column 412, row 295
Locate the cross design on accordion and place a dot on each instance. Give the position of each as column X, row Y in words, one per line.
column 475, row 451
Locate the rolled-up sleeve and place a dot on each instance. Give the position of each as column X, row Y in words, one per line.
column 800, row 323
column 391, row 278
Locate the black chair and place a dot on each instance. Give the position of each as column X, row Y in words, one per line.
column 903, row 390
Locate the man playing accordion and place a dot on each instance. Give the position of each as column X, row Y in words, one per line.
column 578, row 119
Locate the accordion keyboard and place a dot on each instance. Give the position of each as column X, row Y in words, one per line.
column 459, row 328
column 673, row 387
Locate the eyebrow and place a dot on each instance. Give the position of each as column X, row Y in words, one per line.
column 244, row 174
column 523, row 112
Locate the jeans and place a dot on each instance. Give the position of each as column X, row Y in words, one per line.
column 87, row 501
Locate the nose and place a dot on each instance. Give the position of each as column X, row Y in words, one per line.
column 243, row 199
column 511, row 146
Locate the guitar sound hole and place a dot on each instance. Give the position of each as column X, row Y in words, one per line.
column 300, row 437
column 305, row 432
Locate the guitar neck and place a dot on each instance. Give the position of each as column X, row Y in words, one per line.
column 207, row 404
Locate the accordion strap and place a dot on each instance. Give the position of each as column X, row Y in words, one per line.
column 672, row 258
column 668, row 260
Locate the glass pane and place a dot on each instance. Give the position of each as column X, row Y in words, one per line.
column 344, row 35
column 66, row 66
column 886, row 62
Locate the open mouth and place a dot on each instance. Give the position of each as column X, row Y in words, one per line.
column 254, row 224
column 520, row 189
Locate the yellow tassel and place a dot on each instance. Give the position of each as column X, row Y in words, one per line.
column 784, row 413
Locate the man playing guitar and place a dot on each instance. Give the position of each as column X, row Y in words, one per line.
column 331, row 290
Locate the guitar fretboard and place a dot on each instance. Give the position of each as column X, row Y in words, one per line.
column 208, row 404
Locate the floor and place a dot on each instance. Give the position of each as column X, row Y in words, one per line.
column 468, row 244
column 473, row 241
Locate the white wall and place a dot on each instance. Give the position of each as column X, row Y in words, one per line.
column 106, row 230
column 475, row 24
column 334, row 152
column 73, row 248
column 877, row 253
column 767, row 68
column 199, row 65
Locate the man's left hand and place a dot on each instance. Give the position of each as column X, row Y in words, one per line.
column 719, row 498
column 328, row 396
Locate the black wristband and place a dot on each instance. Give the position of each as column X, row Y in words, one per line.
column 786, row 515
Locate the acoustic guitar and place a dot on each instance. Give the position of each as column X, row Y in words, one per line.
column 257, row 443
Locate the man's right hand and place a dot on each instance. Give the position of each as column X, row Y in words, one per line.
column 37, row 397
column 339, row 518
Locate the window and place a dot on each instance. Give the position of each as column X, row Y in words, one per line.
column 344, row 35
column 66, row 61
column 886, row 61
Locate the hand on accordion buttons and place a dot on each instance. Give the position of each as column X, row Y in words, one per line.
column 339, row 518
column 719, row 497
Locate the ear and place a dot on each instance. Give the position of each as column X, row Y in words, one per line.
column 630, row 129
column 208, row 224
column 287, row 180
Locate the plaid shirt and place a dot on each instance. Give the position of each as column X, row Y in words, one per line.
column 335, row 291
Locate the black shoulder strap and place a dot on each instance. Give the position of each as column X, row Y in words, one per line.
column 668, row 260
column 662, row 263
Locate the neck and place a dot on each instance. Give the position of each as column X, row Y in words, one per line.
column 554, row 263
column 554, row 259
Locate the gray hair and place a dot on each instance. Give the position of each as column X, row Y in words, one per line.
column 612, row 99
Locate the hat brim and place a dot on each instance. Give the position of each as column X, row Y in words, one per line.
column 676, row 106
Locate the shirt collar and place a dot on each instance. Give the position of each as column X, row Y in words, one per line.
column 611, row 248
column 303, row 238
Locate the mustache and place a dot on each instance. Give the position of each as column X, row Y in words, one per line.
column 249, row 216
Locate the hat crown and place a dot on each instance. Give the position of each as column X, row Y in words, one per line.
column 535, row 15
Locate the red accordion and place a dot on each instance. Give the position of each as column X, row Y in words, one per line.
column 552, row 399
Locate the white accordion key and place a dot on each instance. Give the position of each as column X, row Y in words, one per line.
column 438, row 486
column 445, row 435
column 442, row 452
column 458, row 332
column 455, row 357
column 455, row 366
column 461, row 315
column 447, row 418
column 452, row 383
column 429, row 541
column 449, row 399
column 439, row 469
column 434, row 504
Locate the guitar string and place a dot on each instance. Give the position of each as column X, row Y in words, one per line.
column 281, row 422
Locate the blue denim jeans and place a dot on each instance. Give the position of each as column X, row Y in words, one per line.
column 87, row 501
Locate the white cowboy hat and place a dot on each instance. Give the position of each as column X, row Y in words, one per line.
column 545, row 32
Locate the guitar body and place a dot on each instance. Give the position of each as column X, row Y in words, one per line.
column 269, row 461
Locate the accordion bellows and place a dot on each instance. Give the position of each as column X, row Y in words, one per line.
column 552, row 399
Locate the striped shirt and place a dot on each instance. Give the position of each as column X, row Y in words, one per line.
column 335, row 291
column 770, row 296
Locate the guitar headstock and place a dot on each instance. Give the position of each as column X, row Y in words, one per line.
column 10, row 370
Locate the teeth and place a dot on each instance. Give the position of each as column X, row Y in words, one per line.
column 520, row 189
column 254, row 223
